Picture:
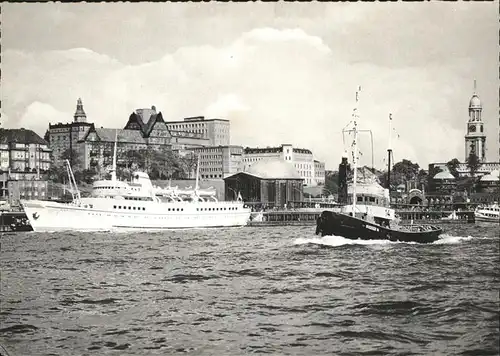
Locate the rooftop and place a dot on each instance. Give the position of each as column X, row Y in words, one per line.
column 273, row 169
column 20, row 136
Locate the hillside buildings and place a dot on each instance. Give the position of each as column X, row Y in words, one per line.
column 147, row 129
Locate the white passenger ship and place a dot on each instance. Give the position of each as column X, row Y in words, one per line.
column 116, row 204
column 489, row 213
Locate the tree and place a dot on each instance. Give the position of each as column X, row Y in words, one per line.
column 423, row 179
column 452, row 167
column 331, row 182
column 473, row 163
column 401, row 172
column 73, row 157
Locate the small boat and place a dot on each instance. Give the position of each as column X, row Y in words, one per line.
column 369, row 216
column 490, row 213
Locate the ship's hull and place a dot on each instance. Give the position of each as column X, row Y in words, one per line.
column 338, row 224
column 483, row 218
column 111, row 214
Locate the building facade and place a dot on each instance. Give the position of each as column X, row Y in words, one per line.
column 319, row 172
column 269, row 183
column 220, row 161
column 145, row 129
column 24, row 158
column 23, row 151
column 302, row 159
column 216, row 131
column 98, row 145
column 64, row 138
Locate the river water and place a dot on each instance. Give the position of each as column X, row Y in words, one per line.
column 269, row 290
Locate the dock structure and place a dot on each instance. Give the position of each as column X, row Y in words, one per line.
column 287, row 217
column 309, row 217
column 433, row 216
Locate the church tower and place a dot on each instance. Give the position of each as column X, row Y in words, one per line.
column 475, row 139
column 80, row 115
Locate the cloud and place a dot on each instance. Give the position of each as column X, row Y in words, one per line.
column 36, row 116
column 274, row 36
column 275, row 85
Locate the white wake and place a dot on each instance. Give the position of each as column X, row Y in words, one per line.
column 341, row 241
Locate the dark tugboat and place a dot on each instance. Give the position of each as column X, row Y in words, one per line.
column 368, row 215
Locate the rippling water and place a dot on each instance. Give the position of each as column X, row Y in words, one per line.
column 268, row 290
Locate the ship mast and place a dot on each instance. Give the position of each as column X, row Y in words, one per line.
column 113, row 169
column 389, row 154
column 355, row 152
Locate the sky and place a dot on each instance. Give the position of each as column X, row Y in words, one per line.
column 280, row 72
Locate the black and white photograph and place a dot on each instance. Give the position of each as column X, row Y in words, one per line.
column 236, row 178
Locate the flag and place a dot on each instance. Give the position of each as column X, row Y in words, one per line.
column 390, row 117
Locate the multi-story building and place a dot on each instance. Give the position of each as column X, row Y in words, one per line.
column 23, row 151
column 302, row 159
column 216, row 131
column 24, row 158
column 98, row 145
column 145, row 129
column 219, row 162
column 64, row 138
column 319, row 172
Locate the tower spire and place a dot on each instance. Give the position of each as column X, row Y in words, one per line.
column 474, row 86
column 80, row 115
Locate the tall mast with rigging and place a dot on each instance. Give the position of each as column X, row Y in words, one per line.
column 389, row 156
column 355, row 152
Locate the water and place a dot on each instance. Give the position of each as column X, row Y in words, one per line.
column 274, row 290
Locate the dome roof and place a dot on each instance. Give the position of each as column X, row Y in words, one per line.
column 443, row 176
column 272, row 169
column 475, row 102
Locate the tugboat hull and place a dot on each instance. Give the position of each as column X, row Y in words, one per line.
column 338, row 224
